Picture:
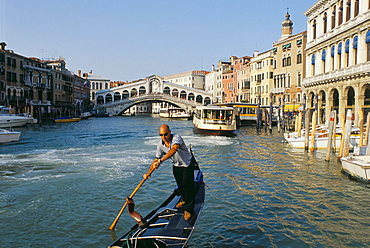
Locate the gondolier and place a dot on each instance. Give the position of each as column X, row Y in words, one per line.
column 173, row 146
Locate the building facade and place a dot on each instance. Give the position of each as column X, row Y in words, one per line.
column 44, row 88
column 289, row 67
column 261, row 67
column 338, row 58
column 191, row 79
column 97, row 83
column 242, row 78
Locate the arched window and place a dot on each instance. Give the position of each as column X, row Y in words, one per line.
column 339, row 55
column 323, row 58
column 357, row 8
column 368, row 45
column 314, row 29
column 333, row 17
column 325, row 22
column 355, row 44
column 313, row 59
column 340, row 13
column 332, row 54
column 323, row 55
column 284, row 62
column 346, row 50
column 348, row 10
column 299, row 58
column 288, row 61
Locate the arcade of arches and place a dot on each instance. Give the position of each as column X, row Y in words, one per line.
column 125, row 94
column 355, row 96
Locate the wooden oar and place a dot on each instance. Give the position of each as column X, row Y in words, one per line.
column 132, row 195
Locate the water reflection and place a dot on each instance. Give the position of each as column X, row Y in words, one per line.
column 69, row 181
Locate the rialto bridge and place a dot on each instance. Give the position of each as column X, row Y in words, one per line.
column 152, row 89
column 347, row 88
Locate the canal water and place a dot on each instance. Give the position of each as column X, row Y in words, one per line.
column 63, row 184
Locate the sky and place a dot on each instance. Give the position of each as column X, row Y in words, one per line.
column 125, row 40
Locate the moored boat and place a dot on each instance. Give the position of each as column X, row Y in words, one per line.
column 67, row 119
column 214, row 120
column 165, row 226
column 357, row 167
column 9, row 136
column 321, row 138
column 86, row 115
column 8, row 119
column 177, row 113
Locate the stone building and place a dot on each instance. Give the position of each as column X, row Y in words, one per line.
column 97, row 83
column 242, row 78
column 289, row 67
column 25, row 83
column 192, row 79
column 261, row 67
column 338, row 58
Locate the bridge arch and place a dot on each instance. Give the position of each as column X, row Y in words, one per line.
column 191, row 96
column 142, row 90
column 117, row 96
column 183, row 94
column 152, row 89
column 100, row 100
column 199, row 99
column 133, row 92
column 166, row 90
column 175, row 92
column 108, row 98
column 125, row 94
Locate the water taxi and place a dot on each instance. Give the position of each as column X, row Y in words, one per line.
column 174, row 113
column 214, row 120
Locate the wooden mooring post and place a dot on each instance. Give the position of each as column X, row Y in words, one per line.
column 307, row 129
column 332, row 125
column 346, row 134
column 313, row 132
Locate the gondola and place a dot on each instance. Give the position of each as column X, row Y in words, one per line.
column 165, row 226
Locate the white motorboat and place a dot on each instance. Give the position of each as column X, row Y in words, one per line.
column 321, row 138
column 7, row 119
column 9, row 136
column 174, row 113
column 214, row 120
column 357, row 167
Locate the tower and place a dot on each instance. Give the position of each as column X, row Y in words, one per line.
column 287, row 27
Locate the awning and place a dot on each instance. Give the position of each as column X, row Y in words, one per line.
column 291, row 107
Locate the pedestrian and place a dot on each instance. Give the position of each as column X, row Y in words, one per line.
column 173, row 146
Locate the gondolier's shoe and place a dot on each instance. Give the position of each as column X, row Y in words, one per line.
column 180, row 204
column 187, row 215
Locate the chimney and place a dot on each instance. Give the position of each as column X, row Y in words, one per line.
column 2, row 45
column 79, row 73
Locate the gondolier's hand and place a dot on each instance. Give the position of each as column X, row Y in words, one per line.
column 155, row 164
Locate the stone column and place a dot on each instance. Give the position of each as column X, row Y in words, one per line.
column 359, row 102
column 342, row 101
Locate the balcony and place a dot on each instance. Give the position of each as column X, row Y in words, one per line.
column 278, row 90
column 337, row 74
column 39, row 102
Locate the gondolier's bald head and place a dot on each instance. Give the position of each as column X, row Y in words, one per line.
column 164, row 132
